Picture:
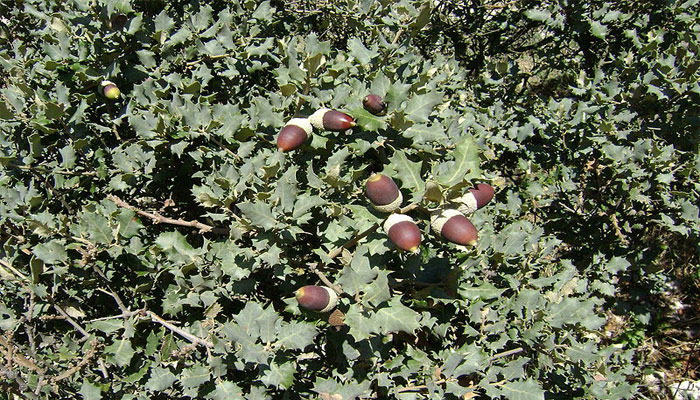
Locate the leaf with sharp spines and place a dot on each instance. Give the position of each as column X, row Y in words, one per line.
column 360, row 324
column 378, row 292
column 522, row 390
column 409, row 172
column 226, row 390
column 160, row 379
column 368, row 121
column 465, row 165
column 360, row 52
column 194, row 376
column 419, row 107
column 484, row 291
column 395, row 317
column 296, row 335
column 121, row 352
column 259, row 213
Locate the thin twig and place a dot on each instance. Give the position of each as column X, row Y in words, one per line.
column 325, row 279
column 14, row 270
column 122, row 315
column 192, row 338
column 50, row 171
column 158, row 219
column 116, row 298
column 70, row 320
column 336, row 252
column 86, row 359
column 506, row 353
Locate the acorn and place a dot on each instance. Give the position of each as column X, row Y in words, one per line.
column 374, row 104
column 317, row 298
column 476, row 198
column 331, row 120
column 403, row 232
column 109, row 90
column 294, row 134
column 383, row 193
column 454, row 226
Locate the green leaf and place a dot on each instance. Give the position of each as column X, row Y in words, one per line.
column 90, row 391
column 296, row 335
column 465, row 165
column 52, row 252
column 361, row 326
column 226, row 390
column 523, row 390
column 378, row 291
column 395, row 317
column 259, row 214
column 160, row 379
column 368, row 121
column 419, row 107
column 598, row 30
column 358, row 274
column 178, row 250
column 279, row 376
column 129, row 224
column 194, row 376
column 409, row 173
column 484, row 291
column 538, row 15
column 358, row 50
column 121, row 352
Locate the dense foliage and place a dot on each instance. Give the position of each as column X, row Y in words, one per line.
column 152, row 244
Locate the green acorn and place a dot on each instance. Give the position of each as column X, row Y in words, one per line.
column 109, row 90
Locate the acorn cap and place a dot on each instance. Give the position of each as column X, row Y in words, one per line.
column 403, row 232
column 294, row 134
column 483, row 193
column 383, row 193
column 454, row 226
column 466, row 204
column 331, row 120
column 317, row 298
column 438, row 218
column 302, row 123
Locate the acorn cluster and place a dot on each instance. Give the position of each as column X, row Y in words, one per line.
column 449, row 222
column 294, row 134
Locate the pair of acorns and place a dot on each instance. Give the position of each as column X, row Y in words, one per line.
column 298, row 130
column 449, row 222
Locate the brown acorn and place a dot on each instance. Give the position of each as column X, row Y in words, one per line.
column 374, row 104
column 454, row 226
column 294, row 134
column 331, row 120
column 383, row 193
column 403, row 232
column 317, row 298
column 476, row 198
column 109, row 90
